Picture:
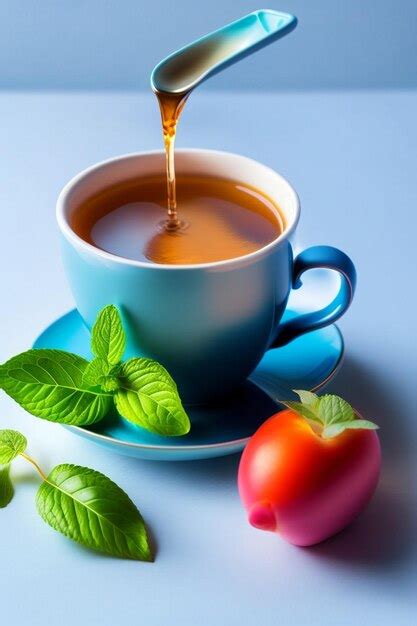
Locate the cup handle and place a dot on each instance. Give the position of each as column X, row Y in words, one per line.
column 319, row 257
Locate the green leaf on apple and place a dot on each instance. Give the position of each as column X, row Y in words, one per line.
column 334, row 414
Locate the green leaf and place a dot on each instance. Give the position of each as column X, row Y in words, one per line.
column 95, row 372
column 99, row 373
column 308, row 398
column 332, row 409
column 12, row 444
column 92, row 510
column 149, row 398
column 365, row 424
column 6, row 486
column 334, row 429
column 339, row 427
column 334, row 414
column 302, row 409
column 108, row 339
column 48, row 384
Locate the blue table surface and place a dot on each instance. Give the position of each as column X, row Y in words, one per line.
column 352, row 158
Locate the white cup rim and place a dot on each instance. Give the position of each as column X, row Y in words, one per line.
column 73, row 238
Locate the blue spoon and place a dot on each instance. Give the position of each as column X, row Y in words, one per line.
column 183, row 70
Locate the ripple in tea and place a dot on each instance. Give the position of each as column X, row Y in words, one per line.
column 225, row 219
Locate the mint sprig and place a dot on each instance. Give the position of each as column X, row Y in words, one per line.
column 82, row 504
column 333, row 414
column 63, row 387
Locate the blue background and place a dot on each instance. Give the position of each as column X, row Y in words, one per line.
column 351, row 155
column 114, row 44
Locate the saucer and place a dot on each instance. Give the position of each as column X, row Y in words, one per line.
column 308, row 362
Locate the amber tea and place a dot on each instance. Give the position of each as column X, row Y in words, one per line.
column 225, row 219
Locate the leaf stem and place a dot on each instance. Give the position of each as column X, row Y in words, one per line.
column 35, row 465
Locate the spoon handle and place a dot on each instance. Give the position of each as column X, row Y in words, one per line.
column 182, row 71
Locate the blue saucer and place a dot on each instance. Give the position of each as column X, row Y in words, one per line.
column 309, row 362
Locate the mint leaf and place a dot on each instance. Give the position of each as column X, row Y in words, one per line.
column 99, row 373
column 302, row 409
column 334, row 429
column 48, row 384
column 332, row 409
column 12, row 444
column 334, row 414
column 365, row 424
column 148, row 397
column 308, row 398
column 339, row 427
column 6, row 486
column 108, row 339
column 92, row 510
column 96, row 372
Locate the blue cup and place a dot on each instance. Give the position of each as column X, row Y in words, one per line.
column 208, row 324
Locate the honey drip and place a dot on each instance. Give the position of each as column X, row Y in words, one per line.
column 171, row 106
